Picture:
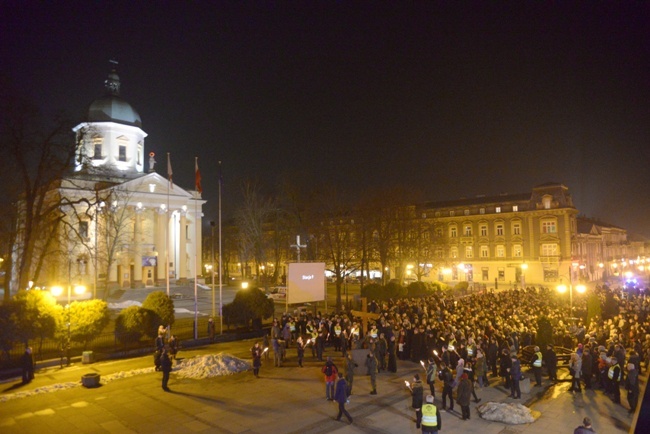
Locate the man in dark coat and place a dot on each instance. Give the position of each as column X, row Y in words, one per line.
column 515, row 377
column 27, row 364
column 447, row 386
column 166, row 368
column 417, row 392
column 587, row 366
column 550, row 359
column 464, row 395
column 341, row 397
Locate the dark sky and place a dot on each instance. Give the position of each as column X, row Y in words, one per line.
column 451, row 99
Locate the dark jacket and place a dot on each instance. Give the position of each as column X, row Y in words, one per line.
column 515, row 370
column 418, row 394
column 341, row 394
column 550, row 359
column 165, row 362
column 464, row 392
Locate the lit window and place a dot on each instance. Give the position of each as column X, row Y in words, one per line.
column 549, row 250
column 499, row 229
column 501, row 252
column 516, row 228
column 515, row 208
column 453, row 232
column 469, row 252
column 549, row 227
column 484, row 252
column 481, row 211
column 484, row 230
column 453, row 253
column 546, row 202
column 516, row 251
column 498, row 209
column 468, row 231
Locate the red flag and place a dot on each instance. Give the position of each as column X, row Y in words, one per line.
column 169, row 172
column 197, row 175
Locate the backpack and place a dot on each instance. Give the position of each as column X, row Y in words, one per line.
column 329, row 370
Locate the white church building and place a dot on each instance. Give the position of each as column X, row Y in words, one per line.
column 125, row 227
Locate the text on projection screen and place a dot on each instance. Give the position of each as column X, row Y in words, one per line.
column 306, row 282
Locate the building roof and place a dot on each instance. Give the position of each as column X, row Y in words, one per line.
column 111, row 107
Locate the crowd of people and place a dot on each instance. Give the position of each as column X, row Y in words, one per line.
column 462, row 340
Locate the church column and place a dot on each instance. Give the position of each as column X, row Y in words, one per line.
column 182, row 248
column 137, row 248
column 160, row 233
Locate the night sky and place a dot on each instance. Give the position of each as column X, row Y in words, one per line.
column 450, row 99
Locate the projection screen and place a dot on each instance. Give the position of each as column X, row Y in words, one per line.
column 306, row 282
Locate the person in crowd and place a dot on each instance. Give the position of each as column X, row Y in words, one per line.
column 587, row 367
column 211, row 329
column 480, row 367
column 381, row 350
column 331, row 374
column 392, row 355
column 614, row 377
column 417, row 395
column 165, row 367
column 505, row 364
column 632, row 387
column 432, row 372
column 27, row 365
column 515, row 377
column 585, row 428
column 341, row 397
column 447, row 379
column 371, row 365
column 536, row 364
column 300, row 350
column 350, row 364
column 575, row 369
column 431, row 421
column 464, row 395
column 256, row 353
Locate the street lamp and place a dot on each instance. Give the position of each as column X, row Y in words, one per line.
column 562, row 289
column 56, row 292
column 524, row 267
column 212, row 225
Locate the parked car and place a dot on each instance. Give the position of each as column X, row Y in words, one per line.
column 277, row 293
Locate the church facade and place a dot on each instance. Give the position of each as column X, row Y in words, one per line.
column 122, row 226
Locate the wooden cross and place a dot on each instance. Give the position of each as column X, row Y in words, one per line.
column 364, row 314
column 298, row 246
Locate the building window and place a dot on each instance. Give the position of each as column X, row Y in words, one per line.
column 468, row 230
column 83, row 229
column 484, row 252
column 426, row 235
column 437, row 214
column 452, row 213
column 466, row 212
column 469, row 252
column 516, row 251
column 549, row 250
column 122, row 155
column 453, row 232
column 515, row 208
column 550, row 275
column 499, row 229
column 485, row 274
column 139, row 162
column 453, row 253
column 516, row 228
column 97, row 148
column 501, row 252
column 546, row 202
column 498, row 209
column 549, row 227
column 484, row 230
column 502, row 274
column 438, row 233
column 481, row 211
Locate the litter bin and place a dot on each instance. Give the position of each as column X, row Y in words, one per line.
column 524, row 385
column 87, row 357
column 90, row 380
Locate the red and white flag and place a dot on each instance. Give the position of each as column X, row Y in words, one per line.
column 197, row 175
column 169, row 172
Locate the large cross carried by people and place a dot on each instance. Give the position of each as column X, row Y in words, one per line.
column 364, row 314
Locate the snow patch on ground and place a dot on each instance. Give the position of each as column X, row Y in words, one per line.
column 124, row 304
column 183, row 310
column 211, row 365
column 198, row 367
column 39, row 391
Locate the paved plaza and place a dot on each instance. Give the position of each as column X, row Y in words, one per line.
column 283, row 400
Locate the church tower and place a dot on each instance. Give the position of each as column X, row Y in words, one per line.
column 111, row 137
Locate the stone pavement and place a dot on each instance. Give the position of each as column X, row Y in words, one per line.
column 283, row 400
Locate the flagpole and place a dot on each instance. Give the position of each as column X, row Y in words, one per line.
column 220, row 261
column 196, row 246
column 169, row 175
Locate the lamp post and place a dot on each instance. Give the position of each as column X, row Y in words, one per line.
column 562, row 289
column 56, row 292
column 212, row 224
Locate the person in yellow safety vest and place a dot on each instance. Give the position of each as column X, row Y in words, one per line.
column 536, row 363
column 431, row 422
column 614, row 376
column 337, row 337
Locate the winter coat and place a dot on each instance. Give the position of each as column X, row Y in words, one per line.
column 341, row 394
column 464, row 392
column 418, row 394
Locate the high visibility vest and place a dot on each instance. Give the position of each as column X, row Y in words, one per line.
column 355, row 331
column 337, row 330
column 612, row 372
column 538, row 362
column 373, row 333
column 292, row 326
column 429, row 417
column 470, row 351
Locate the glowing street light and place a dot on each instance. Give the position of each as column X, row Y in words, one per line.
column 562, row 289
